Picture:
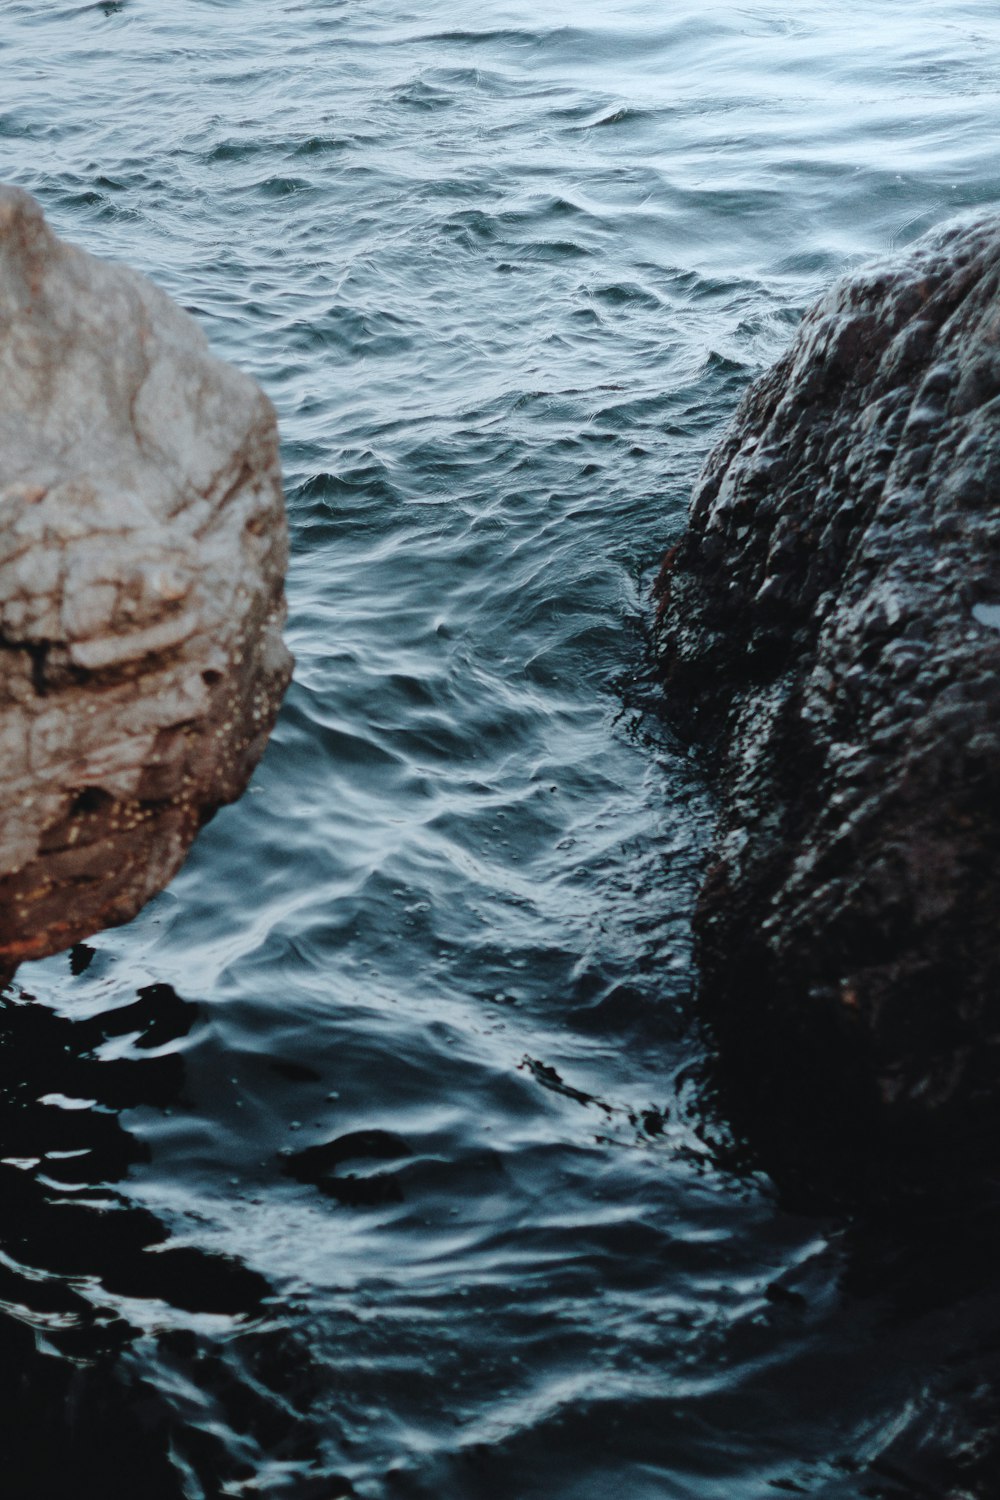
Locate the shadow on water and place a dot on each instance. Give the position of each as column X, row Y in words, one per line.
column 229, row 1403
column 917, row 1275
column 942, row 1271
column 86, row 1276
column 935, row 1272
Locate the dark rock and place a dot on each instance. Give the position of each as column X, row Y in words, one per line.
column 829, row 626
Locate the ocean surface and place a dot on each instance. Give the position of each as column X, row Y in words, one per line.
column 373, row 1158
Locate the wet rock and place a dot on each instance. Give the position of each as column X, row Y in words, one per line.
column 830, row 626
column 142, row 558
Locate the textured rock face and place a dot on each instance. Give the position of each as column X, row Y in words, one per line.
column 142, row 558
column 830, row 625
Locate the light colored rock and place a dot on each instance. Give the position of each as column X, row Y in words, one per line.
column 142, row 558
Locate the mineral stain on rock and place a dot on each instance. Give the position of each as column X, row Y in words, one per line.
column 828, row 627
column 142, row 558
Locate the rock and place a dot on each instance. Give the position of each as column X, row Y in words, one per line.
column 829, row 626
column 142, row 558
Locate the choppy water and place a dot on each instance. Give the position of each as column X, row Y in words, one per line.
column 369, row 1159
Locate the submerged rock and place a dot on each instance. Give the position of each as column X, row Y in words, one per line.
column 830, row 625
column 142, row 559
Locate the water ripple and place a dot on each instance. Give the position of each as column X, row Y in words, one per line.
column 373, row 1158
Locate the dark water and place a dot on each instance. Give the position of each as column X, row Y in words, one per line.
column 372, row 1159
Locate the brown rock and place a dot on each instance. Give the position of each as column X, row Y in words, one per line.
column 142, row 558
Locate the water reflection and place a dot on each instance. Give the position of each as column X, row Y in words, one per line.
column 136, row 1361
column 84, row 1272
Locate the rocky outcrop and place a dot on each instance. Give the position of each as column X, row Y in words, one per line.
column 142, row 558
column 830, row 626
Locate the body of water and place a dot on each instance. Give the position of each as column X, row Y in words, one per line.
column 371, row 1158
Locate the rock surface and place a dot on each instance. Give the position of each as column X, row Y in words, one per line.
column 830, row 626
column 142, row 559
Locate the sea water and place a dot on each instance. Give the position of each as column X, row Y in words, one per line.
column 371, row 1158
